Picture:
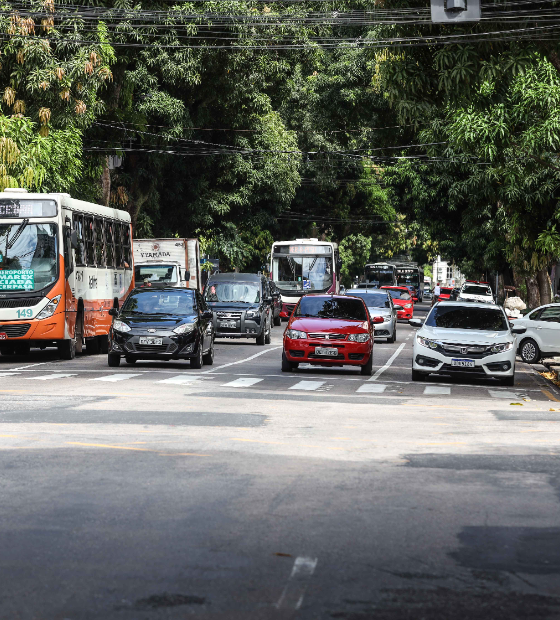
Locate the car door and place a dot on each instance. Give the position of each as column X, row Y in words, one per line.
column 546, row 329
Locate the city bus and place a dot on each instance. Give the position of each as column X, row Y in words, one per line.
column 380, row 274
column 410, row 274
column 64, row 264
column 304, row 266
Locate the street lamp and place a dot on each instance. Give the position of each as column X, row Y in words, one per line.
column 446, row 11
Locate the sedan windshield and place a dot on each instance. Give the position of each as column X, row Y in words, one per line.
column 372, row 300
column 242, row 292
column 180, row 303
column 465, row 317
column 405, row 295
column 331, row 308
column 28, row 256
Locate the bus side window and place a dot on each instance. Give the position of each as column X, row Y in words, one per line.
column 78, row 224
column 109, row 243
column 99, row 243
column 127, row 247
column 90, row 241
column 119, row 259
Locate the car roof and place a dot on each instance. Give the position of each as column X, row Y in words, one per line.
column 467, row 304
column 236, row 277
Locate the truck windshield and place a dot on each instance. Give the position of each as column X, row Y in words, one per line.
column 302, row 273
column 155, row 274
column 28, row 256
column 242, row 292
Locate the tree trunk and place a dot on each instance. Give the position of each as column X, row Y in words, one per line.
column 106, row 183
column 543, row 281
column 533, row 296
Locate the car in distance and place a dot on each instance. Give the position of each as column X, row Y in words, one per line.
column 242, row 304
column 329, row 330
column 542, row 338
column 445, row 293
column 162, row 324
column 379, row 304
column 402, row 299
column 473, row 339
column 476, row 291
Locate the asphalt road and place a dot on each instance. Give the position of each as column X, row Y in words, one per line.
column 240, row 492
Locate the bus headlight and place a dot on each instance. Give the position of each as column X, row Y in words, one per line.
column 49, row 309
column 119, row 326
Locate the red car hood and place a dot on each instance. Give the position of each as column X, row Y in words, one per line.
column 402, row 302
column 338, row 326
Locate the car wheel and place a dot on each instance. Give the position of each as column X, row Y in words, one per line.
column 287, row 366
column 417, row 375
column 114, row 360
column 196, row 362
column 130, row 360
column 208, row 359
column 393, row 338
column 508, row 380
column 367, row 368
column 529, row 351
column 267, row 337
column 277, row 321
column 262, row 337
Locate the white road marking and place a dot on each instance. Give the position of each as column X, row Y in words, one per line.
column 54, row 375
column 244, row 382
column 31, row 365
column 307, row 385
column 375, row 388
column 388, row 364
column 247, row 359
column 120, row 377
column 292, row 596
column 436, row 389
column 8, row 374
column 502, row 394
column 180, row 379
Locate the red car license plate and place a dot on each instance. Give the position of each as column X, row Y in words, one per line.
column 3, row 336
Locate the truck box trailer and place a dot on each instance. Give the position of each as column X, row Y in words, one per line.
column 167, row 262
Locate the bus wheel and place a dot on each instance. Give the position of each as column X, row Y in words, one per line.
column 92, row 346
column 104, row 344
column 67, row 349
column 79, row 333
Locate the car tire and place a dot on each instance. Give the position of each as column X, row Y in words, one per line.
column 114, row 360
column 268, row 334
column 277, row 321
column 367, row 368
column 196, row 362
column 130, row 360
column 67, row 349
column 509, row 381
column 417, row 375
column 529, row 351
column 262, row 337
column 208, row 359
column 287, row 366
column 393, row 338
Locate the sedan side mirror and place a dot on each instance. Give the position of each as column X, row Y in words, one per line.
column 377, row 319
column 415, row 322
column 113, row 312
column 518, row 329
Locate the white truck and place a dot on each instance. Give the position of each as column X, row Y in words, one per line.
column 167, row 262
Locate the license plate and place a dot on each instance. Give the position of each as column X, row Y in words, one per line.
column 326, row 352
column 463, row 363
column 148, row 340
column 3, row 336
column 228, row 324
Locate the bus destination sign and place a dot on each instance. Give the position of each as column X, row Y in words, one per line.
column 310, row 249
column 27, row 208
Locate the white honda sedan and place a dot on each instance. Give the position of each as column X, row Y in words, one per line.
column 542, row 338
column 469, row 339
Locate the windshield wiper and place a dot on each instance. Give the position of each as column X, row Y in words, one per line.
column 10, row 244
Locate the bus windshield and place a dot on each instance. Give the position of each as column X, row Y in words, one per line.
column 28, row 256
column 302, row 273
column 380, row 276
column 408, row 277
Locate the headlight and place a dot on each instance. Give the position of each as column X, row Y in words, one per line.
column 49, row 309
column 119, row 326
column 358, row 337
column 501, row 348
column 252, row 314
column 426, row 342
column 407, row 306
column 184, row 329
column 294, row 334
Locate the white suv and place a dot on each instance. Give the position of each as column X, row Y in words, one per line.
column 476, row 291
column 473, row 339
column 542, row 338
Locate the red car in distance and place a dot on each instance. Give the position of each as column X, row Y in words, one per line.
column 445, row 292
column 402, row 299
column 330, row 330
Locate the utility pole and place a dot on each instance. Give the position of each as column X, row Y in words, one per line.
column 448, row 11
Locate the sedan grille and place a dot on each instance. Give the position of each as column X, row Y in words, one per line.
column 15, row 331
column 228, row 315
column 151, row 348
column 319, row 336
column 464, row 350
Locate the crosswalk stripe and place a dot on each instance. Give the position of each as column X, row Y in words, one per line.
column 372, row 388
column 431, row 390
column 52, row 376
column 243, row 382
column 502, row 394
column 120, row 377
column 307, row 385
column 180, row 379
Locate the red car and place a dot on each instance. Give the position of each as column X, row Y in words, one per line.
column 329, row 330
column 445, row 292
column 402, row 300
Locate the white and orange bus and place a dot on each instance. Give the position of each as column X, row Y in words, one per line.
column 64, row 264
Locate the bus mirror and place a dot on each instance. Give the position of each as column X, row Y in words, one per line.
column 74, row 240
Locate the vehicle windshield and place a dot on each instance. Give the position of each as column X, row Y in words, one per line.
column 331, row 308
column 242, row 292
column 155, row 274
column 473, row 289
column 28, row 256
column 411, row 278
column 180, row 303
column 302, row 273
column 446, row 291
column 372, row 300
column 465, row 317
column 380, row 276
column 404, row 295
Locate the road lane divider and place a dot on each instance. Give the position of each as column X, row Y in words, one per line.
column 247, row 359
column 292, row 595
column 393, row 357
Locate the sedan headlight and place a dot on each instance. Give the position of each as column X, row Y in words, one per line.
column 119, row 326
column 358, row 337
column 294, row 334
column 426, row 342
column 49, row 309
column 501, row 348
column 185, row 328
column 407, row 306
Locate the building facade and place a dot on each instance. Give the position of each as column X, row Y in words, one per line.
column 446, row 273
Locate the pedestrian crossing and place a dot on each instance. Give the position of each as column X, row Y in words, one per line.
column 335, row 385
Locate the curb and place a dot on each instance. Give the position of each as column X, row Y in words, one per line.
column 549, row 369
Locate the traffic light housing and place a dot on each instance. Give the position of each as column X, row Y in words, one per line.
column 449, row 11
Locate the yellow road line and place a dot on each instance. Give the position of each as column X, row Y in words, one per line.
column 18, row 391
column 550, row 395
column 104, row 445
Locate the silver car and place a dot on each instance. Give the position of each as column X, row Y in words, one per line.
column 379, row 304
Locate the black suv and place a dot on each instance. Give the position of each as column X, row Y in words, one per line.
column 242, row 306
